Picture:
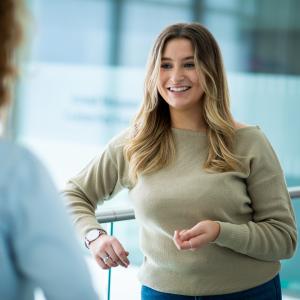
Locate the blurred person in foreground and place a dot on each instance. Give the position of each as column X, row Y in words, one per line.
column 38, row 248
column 208, row 192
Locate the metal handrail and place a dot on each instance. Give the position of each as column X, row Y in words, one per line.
column 114, row 215
column 294, row 192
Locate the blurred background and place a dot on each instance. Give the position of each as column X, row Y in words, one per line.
column 83, row 82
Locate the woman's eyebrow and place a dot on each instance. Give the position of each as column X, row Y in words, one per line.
column 170, row 59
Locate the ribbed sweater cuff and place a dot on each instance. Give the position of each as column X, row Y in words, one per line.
column 233, row 236
column 86, row 224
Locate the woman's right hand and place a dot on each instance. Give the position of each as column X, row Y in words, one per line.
column 108, row 246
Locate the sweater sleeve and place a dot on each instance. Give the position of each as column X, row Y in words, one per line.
column 102, row 178
column 271, row 234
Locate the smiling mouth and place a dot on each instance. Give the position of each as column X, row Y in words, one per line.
column 178, row 89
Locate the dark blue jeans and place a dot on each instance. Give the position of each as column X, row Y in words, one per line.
column 270, row 290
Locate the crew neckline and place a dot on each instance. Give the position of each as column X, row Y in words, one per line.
column 188, row 132
column 202, row 133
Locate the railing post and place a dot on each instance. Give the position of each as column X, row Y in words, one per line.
column 111, row 231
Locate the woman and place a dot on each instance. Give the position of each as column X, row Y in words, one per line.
column 37, row 245
column 208, row 192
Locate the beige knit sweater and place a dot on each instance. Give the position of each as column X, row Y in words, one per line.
column 253, row 208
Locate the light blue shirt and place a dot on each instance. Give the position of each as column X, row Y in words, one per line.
column 38, row 247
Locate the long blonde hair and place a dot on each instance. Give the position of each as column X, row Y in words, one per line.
column 10, row 37
column 151, row 146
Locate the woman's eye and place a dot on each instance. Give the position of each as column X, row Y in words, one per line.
column 166, row 66
column 189, row 65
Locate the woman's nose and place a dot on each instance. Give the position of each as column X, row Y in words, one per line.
column 177, row 75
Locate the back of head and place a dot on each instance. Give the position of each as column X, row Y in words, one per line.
column 10, row 38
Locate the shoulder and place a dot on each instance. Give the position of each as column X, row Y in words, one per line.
column 13, row 158
column 250, row 138
column 18, row 164
column 246, row 130
column 251, row 142
column 117, row 143
column 114, row 150
column 24, row 181
column 248, row 134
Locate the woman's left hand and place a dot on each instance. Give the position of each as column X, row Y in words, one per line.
column 200, row 235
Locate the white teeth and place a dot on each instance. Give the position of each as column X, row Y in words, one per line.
column 178, row 89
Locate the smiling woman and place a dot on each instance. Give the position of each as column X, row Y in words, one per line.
column 209, row 193
column 163, row 109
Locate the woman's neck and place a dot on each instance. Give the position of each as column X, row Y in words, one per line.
column 192, row 120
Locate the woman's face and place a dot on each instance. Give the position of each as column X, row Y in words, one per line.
column 179, row 83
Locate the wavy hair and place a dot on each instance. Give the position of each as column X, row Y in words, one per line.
column 151, row 145
column 10, row 38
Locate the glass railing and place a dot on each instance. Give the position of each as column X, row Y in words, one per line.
column 122, row 283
